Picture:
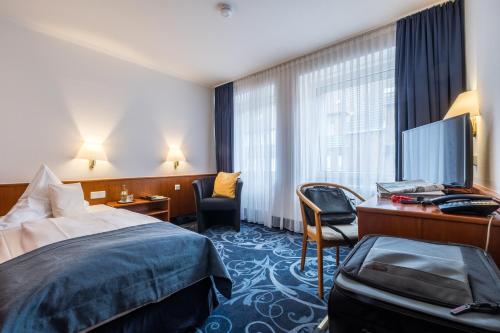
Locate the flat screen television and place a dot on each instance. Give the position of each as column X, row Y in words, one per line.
column 440, row 152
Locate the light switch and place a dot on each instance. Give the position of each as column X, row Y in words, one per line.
column 177, row 187
column 98, row 195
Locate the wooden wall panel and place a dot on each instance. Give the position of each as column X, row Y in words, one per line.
column 182, row 201
column 9, row 194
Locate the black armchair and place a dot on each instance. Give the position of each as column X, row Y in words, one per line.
column 218, row 210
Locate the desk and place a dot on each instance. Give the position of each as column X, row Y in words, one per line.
column 382, row 216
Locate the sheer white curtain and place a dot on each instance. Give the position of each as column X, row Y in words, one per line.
column 256, row 145
column 328, row 116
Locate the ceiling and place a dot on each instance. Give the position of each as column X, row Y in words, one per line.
column 189, row 39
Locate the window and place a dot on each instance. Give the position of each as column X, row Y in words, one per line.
column 328, row 116
column 350, row 107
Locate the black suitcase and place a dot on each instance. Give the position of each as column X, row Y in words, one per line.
column 389, row 284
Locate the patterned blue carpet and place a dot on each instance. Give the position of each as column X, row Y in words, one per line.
column 270, row 293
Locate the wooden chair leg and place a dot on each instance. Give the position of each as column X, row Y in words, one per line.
column 304, row 251
column 320, row 269
column 337, row 255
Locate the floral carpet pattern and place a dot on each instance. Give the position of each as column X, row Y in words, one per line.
column 270, row 293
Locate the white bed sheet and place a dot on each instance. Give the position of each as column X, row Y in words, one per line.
column 28, row 236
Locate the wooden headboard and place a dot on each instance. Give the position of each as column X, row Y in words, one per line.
column 182, row 201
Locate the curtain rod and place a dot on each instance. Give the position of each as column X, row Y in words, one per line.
column 439, row 3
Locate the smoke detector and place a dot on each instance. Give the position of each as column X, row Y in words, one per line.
column 225, row 10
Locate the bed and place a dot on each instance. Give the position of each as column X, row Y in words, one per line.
column 107, row 270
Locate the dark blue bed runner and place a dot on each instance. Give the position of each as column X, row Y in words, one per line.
column 73, row 285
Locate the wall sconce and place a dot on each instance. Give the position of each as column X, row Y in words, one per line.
column 175, row 155
column 92, row 152
column 466, row 102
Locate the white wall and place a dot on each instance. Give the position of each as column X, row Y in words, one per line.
column 54, row 94
column 482, row 26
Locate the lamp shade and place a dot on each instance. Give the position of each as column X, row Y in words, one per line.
column 175, row 155
column 92, row 152
column 466, row 102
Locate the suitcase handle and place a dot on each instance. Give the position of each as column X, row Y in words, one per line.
column 476, row 307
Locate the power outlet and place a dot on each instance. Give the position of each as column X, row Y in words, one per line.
column 98, row 195
column 177, row 187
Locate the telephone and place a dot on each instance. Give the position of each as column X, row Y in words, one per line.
column 466, row 204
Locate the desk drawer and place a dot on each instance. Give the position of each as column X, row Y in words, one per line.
column 383, row 224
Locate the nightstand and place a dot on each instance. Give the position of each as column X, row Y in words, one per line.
column 156, row 208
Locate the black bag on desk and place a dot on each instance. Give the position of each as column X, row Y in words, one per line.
column 390, row 284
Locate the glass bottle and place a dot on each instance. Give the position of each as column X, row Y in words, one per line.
column 124, row 193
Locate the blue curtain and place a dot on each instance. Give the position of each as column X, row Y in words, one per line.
column 224, row 126
column 430, row 67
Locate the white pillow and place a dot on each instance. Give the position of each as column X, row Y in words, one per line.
column 67, row 200
column 34, row 204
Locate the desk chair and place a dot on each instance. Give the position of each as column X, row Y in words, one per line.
column 323, row 236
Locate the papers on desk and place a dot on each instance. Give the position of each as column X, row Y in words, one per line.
column 413, row 188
